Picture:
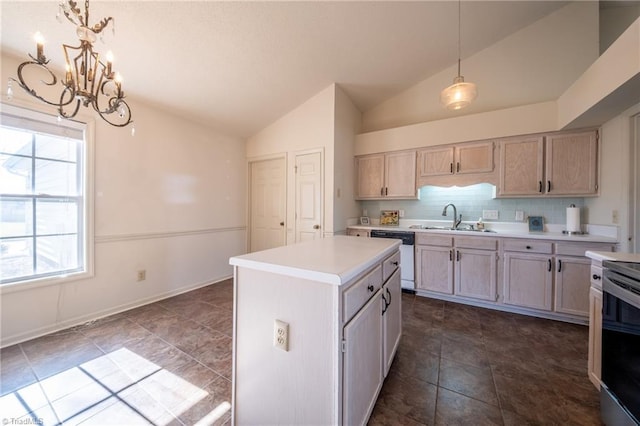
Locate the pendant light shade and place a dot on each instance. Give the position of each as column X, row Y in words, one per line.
column 459, row 94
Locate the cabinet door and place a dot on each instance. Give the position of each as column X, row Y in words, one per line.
column 572, row 285
column 362, row 363
column 370, row 176
column 400, row 175
column 391, row 318
column 474, row 158
column 521, row 168
column 434, row 269
column 571, row 164
column 436, row 162
column 475, row 274
column 528, row 280
column 595, row 336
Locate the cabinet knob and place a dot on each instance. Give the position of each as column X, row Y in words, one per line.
column 395, row 263
column 316, row 226
column 528, row 247
column 596, row 277
column 370, row 288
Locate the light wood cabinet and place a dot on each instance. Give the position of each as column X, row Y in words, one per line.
column 454, row 161
column 572, row 285
column 391, row 319
column 559, row 164
column 528, row 280
column 386, row 176
column 594, row 365
column 571, row 163
column 352, row 232
column 461, row 266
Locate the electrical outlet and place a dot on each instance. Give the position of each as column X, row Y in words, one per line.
column 142, row 275
column 614, row 216
column 401, row 213
column 519, row 215
column 490, row 214
column 365, row 213
column 281, row 335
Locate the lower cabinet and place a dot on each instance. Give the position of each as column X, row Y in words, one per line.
column 572, row 285
column 528, row 280
column 594, row 365
column 461, row 266
column 362, row 362
column 391, row 319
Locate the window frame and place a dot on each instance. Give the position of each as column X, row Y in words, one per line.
column 86, row 173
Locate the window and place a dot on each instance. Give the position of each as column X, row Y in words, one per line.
column 43, row 196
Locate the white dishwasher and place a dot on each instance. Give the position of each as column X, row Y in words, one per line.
column 407, row 273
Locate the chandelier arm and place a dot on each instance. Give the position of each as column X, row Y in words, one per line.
column 72, row 97
column 115, row 104
column 33, row 92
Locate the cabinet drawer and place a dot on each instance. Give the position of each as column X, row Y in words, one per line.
column 357, row 295
column 528, row 246
column 357, row 232
column 434, row 240
column 579, row 249
column 596, row 277
column 389, row 265
column 481, row 243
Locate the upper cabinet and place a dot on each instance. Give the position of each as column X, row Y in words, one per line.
column 561, row 164
column 386, row 176
column 460, row 164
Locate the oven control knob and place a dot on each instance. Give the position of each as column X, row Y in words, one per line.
column 596, row 277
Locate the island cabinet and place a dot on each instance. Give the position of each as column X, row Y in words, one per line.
column 594, row 365
column 461, row 266
column 390, row 175
column 339, row 300
column 557, row 164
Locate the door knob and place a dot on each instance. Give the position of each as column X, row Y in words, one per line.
column 281, row 223
column 316, row 226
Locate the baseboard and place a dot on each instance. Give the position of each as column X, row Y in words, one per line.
column 73, row 322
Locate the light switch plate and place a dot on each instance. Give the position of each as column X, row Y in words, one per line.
column 401, row 213
column 519, row 215
column 490, row 214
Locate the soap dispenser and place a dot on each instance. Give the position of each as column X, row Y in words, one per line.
column 480, row 224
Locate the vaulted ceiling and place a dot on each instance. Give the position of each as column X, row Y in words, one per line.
column 239, row 66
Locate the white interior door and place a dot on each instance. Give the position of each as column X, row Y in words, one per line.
column 268, row 204
column 309, row 196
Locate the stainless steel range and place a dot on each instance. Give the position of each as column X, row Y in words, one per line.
column 620, row 391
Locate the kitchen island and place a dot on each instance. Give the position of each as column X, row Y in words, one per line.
column 316, row 326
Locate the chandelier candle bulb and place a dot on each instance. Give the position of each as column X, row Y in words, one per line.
column 109, row 63
column 39, row 46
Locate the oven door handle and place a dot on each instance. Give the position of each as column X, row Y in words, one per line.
column 616, row 287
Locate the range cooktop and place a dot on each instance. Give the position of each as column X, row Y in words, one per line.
column 630, row 269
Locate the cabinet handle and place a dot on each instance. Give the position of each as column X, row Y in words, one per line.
column 548, row 186
column 450, row 167
column 559, row 265
column 395, row 263
column 528, row 247
column 386, row 305
column 386, row 190
column 388, row 302
column 381, row 191
column 370, row 288
column 596, row 277
column 458, row 255
column 549, row 269
column 450, row 255
column 540, row 186
column 457, row 167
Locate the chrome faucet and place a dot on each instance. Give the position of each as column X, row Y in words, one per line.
column 456, row 219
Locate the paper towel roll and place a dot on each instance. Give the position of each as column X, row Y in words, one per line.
column 573, row 219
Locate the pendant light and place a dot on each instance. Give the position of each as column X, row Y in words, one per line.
column 459, row 94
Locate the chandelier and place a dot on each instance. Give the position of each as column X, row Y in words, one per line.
column 459, row 94
column 87, row 80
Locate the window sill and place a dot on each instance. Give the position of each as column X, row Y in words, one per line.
column 43, row 282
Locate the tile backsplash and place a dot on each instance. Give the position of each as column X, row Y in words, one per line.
column 470, row 201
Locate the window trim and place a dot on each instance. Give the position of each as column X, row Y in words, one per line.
column 88, row 167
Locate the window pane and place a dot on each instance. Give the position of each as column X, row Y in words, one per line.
column 16, row 258
column 56, row 148
column 17, row 217
column 15, row 175
column 56, row 253
column 14, row 141
column 55, row 178
column 56, row 217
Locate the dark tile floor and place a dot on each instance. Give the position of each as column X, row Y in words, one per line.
column 169, row 363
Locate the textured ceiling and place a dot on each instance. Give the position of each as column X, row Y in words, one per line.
column 239, row 66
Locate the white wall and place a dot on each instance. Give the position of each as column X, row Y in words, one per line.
column 615, row 177
column 309, row 126
column 348, row 120
column 170, row 200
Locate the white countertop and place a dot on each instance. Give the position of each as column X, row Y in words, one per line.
column 507, row 230
column 333, row 260
column 615, row 256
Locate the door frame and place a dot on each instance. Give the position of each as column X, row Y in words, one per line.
column 250, row 162
column 322, row 189
column 634, row 205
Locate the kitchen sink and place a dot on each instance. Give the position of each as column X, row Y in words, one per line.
column 448, row 228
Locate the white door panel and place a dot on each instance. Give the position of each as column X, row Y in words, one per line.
column 309, row 220
column 267, row 204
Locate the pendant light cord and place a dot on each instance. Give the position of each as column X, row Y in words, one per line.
column 459, row 37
